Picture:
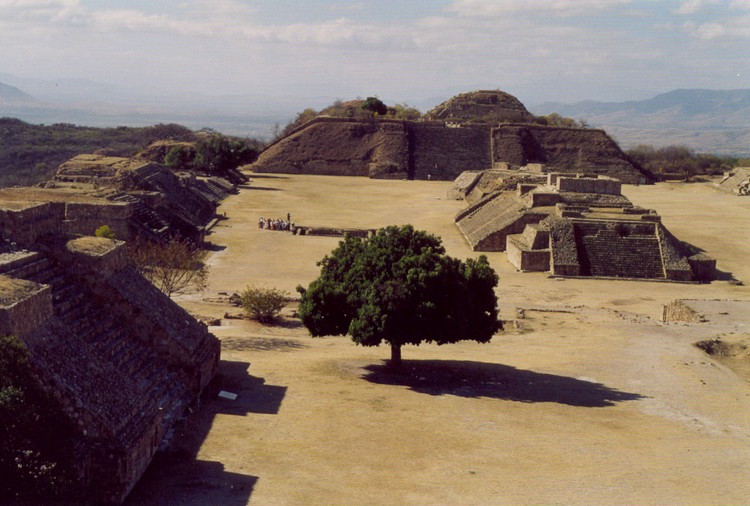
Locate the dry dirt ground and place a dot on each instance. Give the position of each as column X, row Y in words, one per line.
column 589, row 400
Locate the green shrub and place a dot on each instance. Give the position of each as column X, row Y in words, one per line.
column 263, row 304
column 106, row 232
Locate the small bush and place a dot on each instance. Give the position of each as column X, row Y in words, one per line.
column 263, row 304
column 105, row 231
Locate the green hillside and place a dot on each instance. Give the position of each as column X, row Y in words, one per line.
column 30, row 154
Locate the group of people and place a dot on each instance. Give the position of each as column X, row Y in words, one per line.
column 277, row 224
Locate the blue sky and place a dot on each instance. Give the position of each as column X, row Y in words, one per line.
column 406, row 50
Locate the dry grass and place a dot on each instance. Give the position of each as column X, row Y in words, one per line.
column 596, row 402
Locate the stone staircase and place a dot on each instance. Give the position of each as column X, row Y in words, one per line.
column 109, row 338
column 151, row 221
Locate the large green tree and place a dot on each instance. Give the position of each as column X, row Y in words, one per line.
column 217, row 154
column 399, row 287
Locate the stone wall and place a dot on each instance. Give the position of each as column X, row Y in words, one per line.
column 563, row 251
column 564, row 150
column 603, row 186
column 425, row 149
column 676, row 266
column 439, row 152
column 485, row 225
column 618, row 249
column 123, row 360
column 85, row 218
column 339, row 146
column 524, row 258
column 24, row 306
column 27, row 223
column 679, row 311
column 736, row 181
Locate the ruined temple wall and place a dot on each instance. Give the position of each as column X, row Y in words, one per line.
column 26, row 309
column 119, row 426
column 619, row 250
column 736, row 181
column 680, row 311
column 525, row 259
column 498, row 238
column 564, row 150
column 563, row 250
column 440, row 152
column 84, row 219
column 27, row 223
column 676, row 266
column 174, row 334
column 602, row 186
column 340, row 146
column 151, row 315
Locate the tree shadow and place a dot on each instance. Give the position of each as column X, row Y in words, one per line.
column 287, row 323
column 177, row 477
column 496, row 381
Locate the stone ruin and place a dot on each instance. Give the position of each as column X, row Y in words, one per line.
column 133, row 197
column 124, row 361
column 482, row 105
column 577, row 226
column 736, row 181
column 456, row 136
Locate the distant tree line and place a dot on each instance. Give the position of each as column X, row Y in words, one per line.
column 681, row 162
column 368, row 108
column 30, row 154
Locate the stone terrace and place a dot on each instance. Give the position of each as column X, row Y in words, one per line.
column 123, row 360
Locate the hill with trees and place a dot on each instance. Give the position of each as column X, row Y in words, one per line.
column 30, row 154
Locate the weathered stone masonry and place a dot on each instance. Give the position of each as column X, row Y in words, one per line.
column 123, row 360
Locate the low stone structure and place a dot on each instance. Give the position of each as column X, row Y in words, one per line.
column 132, row 197
column 124, row 361
column 580, row 226
column 736, row 181
column 734, row 313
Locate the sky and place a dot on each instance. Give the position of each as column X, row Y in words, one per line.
column 399, row 50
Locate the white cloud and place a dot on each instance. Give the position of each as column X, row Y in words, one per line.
column 31, row 11
column 479, row 8
column 688, row 7
column 740, row 4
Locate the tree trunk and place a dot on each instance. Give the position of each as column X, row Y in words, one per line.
column 395, row 356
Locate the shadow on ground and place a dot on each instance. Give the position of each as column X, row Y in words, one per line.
column 726, row 276
column 253, row 395
column 175, row 479
column 210, row 246
column 262, row 188
column 498, row 381
column 266, row 176
column 178, row 477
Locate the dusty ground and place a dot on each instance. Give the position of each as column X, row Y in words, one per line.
column 590, row 401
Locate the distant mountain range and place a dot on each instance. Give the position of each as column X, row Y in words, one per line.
column 716, row 121
column 12, row 95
